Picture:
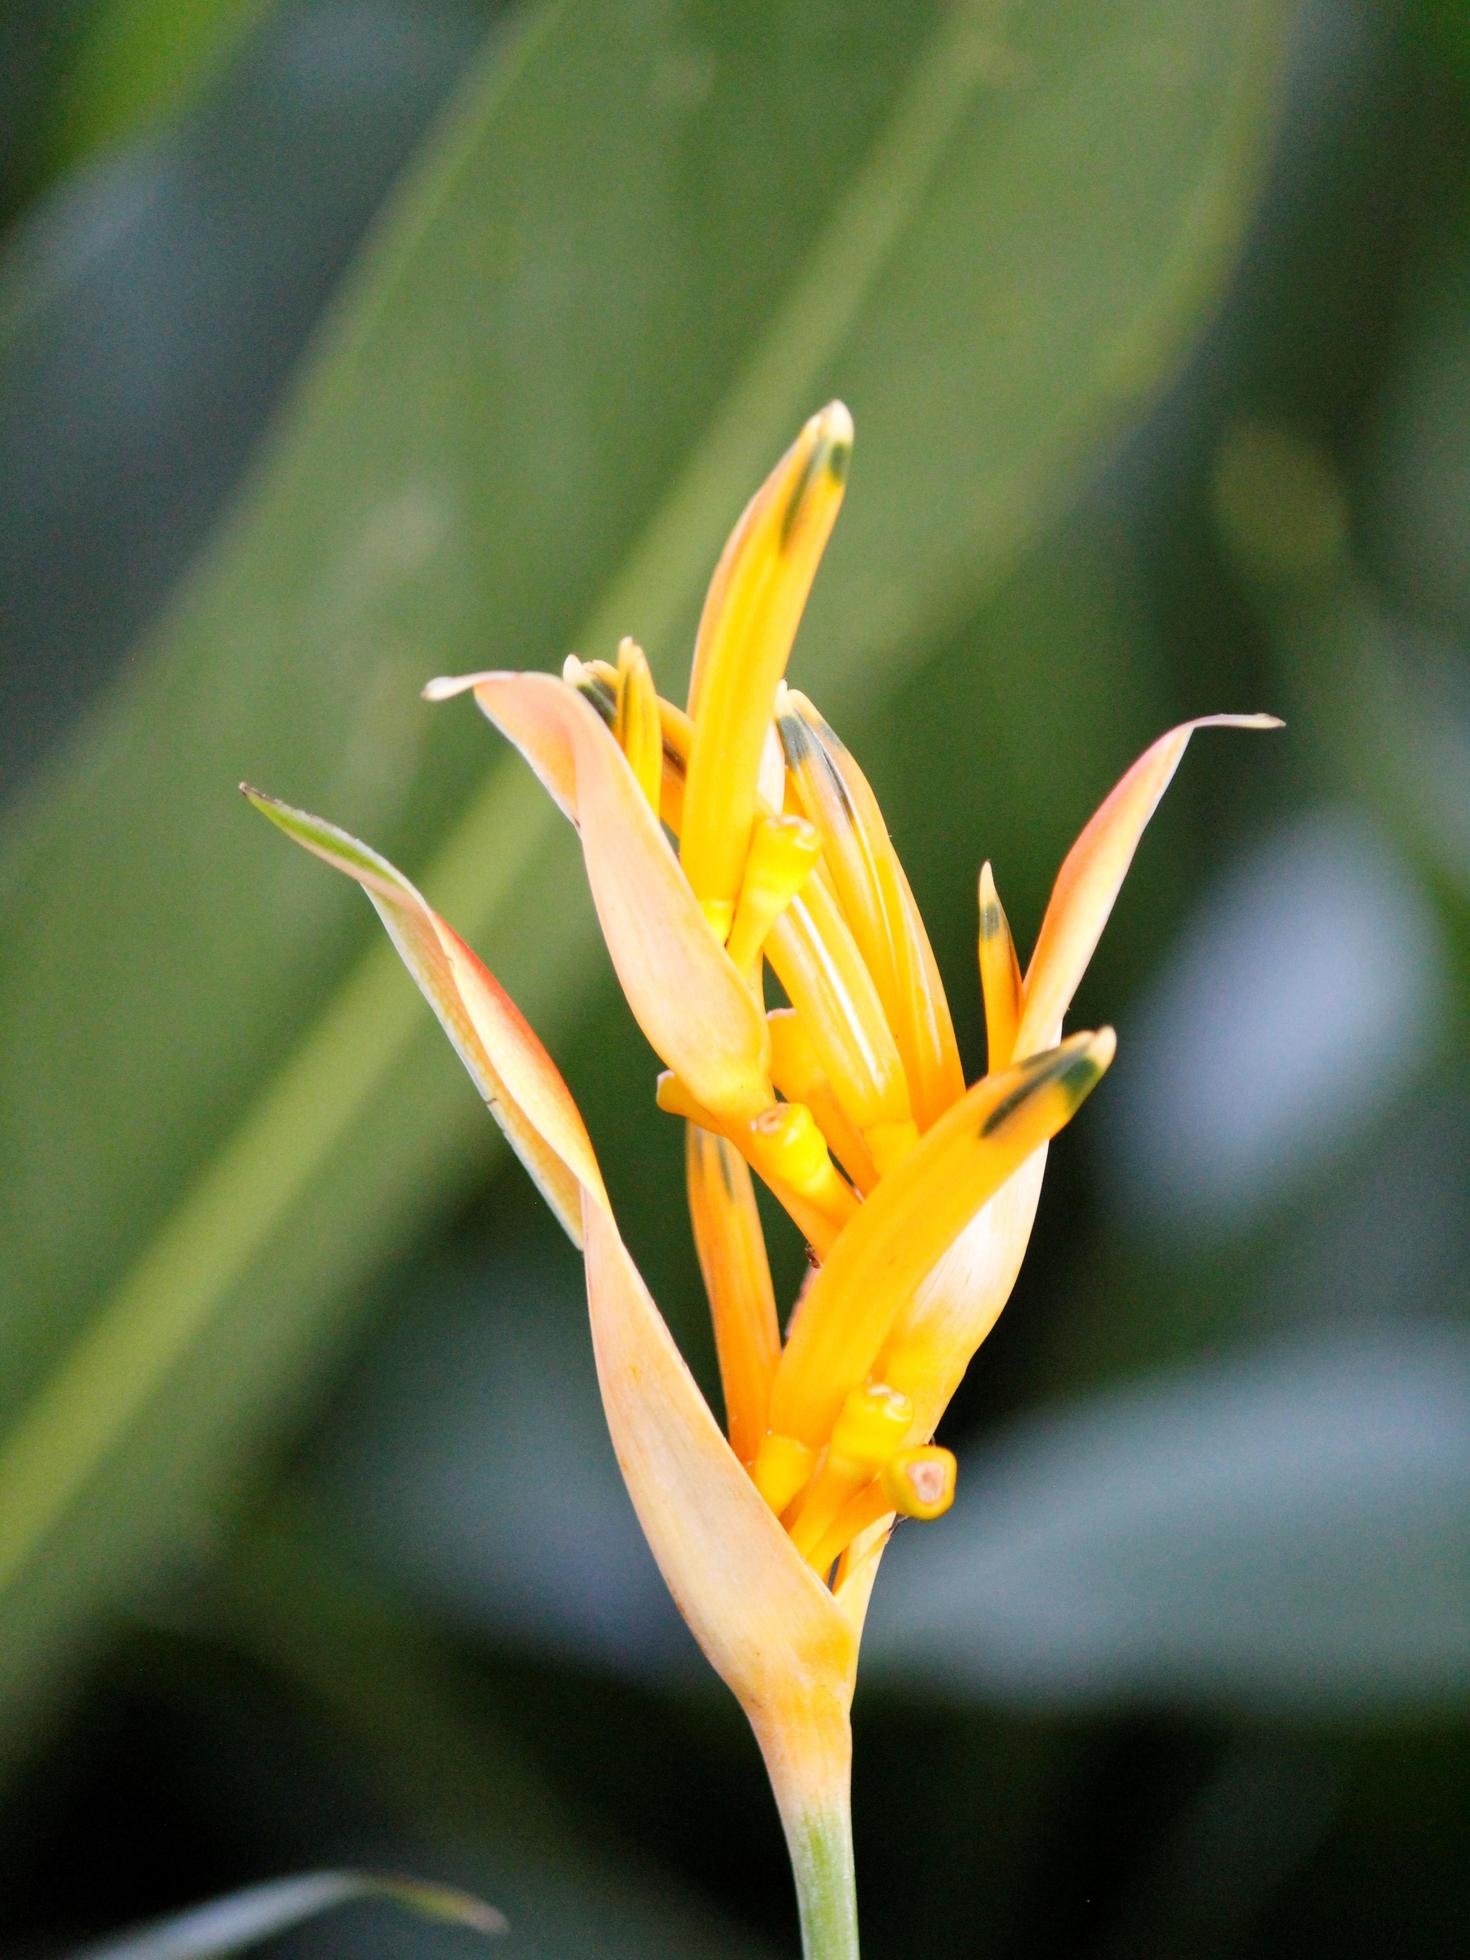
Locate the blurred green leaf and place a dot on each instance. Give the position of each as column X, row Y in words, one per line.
column 141, row 60
column 642, row 247
column 243, row 1919
column 1287, row 1529
column 434, row 1746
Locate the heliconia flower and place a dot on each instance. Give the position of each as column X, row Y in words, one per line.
column 915, row 1194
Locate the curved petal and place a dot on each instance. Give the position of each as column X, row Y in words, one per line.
column 737, row 1278
column 749, row 621
column 851, row 1307
column 685, row 992
column 953, row 1309
column 1092, row 876
column 508, row 1064
column 767, row 1624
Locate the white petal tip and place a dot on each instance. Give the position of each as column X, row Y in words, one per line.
column 1240, row 721
column 834, row 423
column 448, row 685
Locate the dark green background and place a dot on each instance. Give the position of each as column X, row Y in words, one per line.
column 345, row 342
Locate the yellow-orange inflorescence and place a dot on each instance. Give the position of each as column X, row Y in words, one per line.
column 730, row 844
column 870, row 1140
column 914, row 1193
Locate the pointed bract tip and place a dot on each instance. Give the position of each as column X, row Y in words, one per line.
column 446, row 686
column 833, row 424
column 1088, row 1062
column 833, row 430
column 1240, row 721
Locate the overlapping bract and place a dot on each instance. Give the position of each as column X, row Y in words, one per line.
column 916, row 1194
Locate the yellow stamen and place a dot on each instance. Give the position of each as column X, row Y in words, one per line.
column 873, row 1425
column 737, row 1279
column 783, row 851
column 817, row 961
column 822, row 1206
column 869, row 885
column 745, row 633
column 914, row 1215
column 796, row 1071
column 786, row 1146
column 1000, row 976
column 636, row 726
column 917, row 1483
column 920, row 1483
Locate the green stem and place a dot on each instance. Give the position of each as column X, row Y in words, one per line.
column 826, row 1883
column 809, row 1763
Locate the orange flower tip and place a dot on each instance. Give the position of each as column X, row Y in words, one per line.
column 782, row 1468
column 920, row 1483
column 991, row 917
column 828, row 439
column 1074, row 1070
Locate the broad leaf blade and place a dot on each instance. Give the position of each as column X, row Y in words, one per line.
column 1285, row 1530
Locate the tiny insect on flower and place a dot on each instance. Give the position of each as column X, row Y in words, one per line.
column 721, row 840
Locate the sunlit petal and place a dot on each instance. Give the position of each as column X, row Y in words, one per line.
column 852, row 1305
column 737, row 1280
column 749, row 621
column 510, row 1068
column 687, row 996
column 766, row 1623
column 1093, row 874
column 869, row 886
column 1000, row 975
column 940, row 1327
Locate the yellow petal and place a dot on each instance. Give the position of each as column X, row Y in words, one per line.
column 511, row 1069
column 737, row 1279
column 750, row 617
column 767, row 1625
column 1093, row 874
column 852, row 1304
column 942, row 1324
column 782, row 1139
column 774, row 1633
column 796, row 1069
column 817, row 961
column 870, row 887
column 686, row 995
column 1000, row 976
column 636, row 726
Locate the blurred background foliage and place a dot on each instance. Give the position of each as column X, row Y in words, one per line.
column 343, row 342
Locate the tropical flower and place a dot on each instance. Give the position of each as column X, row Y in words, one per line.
column 915, row 1194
